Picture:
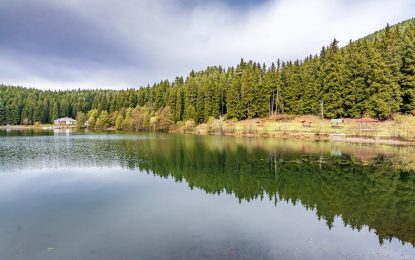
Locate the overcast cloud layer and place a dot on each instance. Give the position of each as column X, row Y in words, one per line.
column 123, row 44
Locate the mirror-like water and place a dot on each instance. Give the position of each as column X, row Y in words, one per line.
column 69, row 195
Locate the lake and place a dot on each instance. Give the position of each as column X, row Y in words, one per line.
column 107, row 195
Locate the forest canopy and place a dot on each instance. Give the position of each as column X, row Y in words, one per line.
column 371, row 77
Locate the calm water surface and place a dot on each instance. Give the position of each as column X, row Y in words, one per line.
column 72, row 195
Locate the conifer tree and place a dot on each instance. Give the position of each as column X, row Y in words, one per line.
column 333, row 81
column 384, row 96
column 356, row 84
column 12, row 113
column 389, row 46
column 310, row 102
column 407, row 80
column 54, row 111
column 292, row 80
column 234, row 96
column 2, row 114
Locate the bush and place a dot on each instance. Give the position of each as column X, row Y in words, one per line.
column 92, row 117
column 162, row 121
column 103, row 121
column 38, row 125
column 80, row 120
column 215, row 125
column 140, row 120
column 189, row 125
column 119, row 122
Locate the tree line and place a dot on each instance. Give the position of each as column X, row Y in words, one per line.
column 371, row 77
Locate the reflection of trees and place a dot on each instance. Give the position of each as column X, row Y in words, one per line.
column 372, row 194
column 378, row 192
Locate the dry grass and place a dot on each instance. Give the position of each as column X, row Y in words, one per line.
column 399, row 128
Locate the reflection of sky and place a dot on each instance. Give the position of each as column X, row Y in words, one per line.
column 114, row 213
column 62, row 150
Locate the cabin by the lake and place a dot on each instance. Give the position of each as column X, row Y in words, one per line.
column 65, row 121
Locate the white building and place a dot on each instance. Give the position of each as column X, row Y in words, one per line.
column 65, row 121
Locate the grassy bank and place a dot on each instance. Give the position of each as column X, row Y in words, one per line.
column 27, row 127
column 399, row 130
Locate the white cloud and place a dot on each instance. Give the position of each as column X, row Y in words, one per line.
column 168, row 40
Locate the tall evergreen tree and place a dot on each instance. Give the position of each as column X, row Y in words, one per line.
column 333, row 81
column 384, row 95
column 407, row 80
column 2, row 114
column 356, row 84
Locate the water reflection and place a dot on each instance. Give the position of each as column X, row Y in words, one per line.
column 362, row 186
column 378, row 191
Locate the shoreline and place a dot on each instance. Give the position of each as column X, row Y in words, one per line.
column 314, row 137
column 256, row 133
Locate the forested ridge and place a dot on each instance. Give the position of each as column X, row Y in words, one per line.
column 373, row 76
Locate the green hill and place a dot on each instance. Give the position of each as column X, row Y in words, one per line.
column 370, row 77
column 401, row 26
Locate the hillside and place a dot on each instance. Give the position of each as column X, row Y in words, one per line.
column 371, row 77
column 401, row 26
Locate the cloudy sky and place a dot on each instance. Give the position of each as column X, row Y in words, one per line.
column 122, row 44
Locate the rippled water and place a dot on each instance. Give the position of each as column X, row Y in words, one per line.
column 75, row 195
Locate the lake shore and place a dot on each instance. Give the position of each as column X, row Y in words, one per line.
column 390, row 132
column 315, row 137
column 399, row 131
column 26, row 127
